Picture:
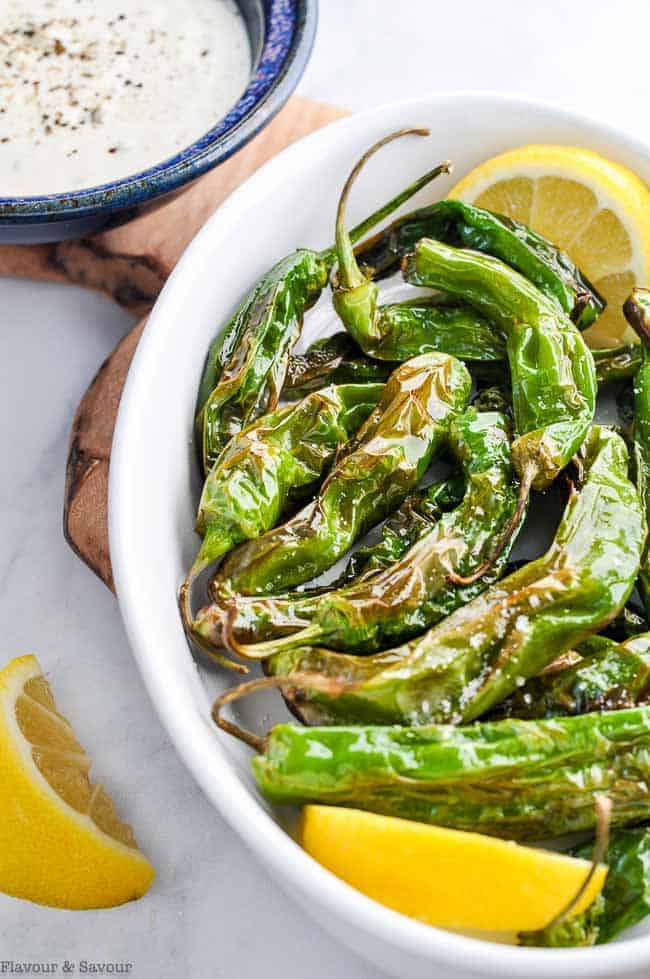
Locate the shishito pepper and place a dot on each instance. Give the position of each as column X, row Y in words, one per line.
column 465, row 225
column 272, row 464
column 247, row 362
column 617, row 363
column 250, row 618
column 383, row 464
column 402, row 330
column 335, row 359
column 552, row 369
column 521, row 780
column 637, row 312
column 625, row 898
column 626, row 895
column 398, row 331
column 480, row 654
column 414, row 592
column 607, row 676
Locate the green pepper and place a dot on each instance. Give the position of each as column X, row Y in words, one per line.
column 334, row 360
column 521, row 780
column 480, row 654
column 637, row 312
column 385, row 461
column 552, row 369
column 247, row 362
column 617, row 363
column 403, row 330
column 406, row 329
column 270, row 466
column 251, row 618
column 624, row 901
column 464, row 225
column 337, row 359
column 415, row 592
column 626, row 894
column 608, row 677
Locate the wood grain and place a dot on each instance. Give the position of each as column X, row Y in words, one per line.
column 131, row 264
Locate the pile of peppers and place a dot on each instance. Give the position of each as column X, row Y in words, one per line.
column 360, row 505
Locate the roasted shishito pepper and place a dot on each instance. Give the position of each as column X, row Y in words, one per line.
column 247, row 363
column 381, row 466
column 402, row 330
column 637, row 312
column 480, row 654
column 414, row 592
column 272, row 464
column 624, row 901
column 521, row 780
column 250, row 618
column 606, row 676
column 552, row 369
column 335, row 359
column 464, row 225
column 617, row 363
column 626, row 895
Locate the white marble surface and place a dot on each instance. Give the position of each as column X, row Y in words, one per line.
column 212, row 911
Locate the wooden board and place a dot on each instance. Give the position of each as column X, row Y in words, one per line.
column 131, row 264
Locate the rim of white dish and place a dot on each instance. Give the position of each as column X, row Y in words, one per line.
column 194, row 736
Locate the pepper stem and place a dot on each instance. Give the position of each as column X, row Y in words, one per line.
column 510, row 529
column 256, row 741
column 603, row 819
column 349, row 273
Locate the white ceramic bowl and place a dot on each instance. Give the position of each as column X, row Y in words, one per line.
column 154, row 487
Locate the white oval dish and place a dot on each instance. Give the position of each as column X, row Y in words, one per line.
column 154, row 487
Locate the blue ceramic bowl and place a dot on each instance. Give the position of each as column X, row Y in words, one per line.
column 282, row 34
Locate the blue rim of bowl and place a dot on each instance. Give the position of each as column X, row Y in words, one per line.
column 288, row 42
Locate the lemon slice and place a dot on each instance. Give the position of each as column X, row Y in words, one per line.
column 452, row 879
column 61, row 842
column 595, row 210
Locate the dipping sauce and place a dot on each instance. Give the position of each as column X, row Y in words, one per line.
column 95, row 90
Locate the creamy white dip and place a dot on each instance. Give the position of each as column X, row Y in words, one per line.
column 95, row 90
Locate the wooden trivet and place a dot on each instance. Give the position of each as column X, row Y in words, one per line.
column 131, row 264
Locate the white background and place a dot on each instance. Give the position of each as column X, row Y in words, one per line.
column 212, row 911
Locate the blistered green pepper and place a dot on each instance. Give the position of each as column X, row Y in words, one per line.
column 403, row 330
column 520, row 780
column 625, row 898
column 272, row 465
column 464, row 225
column 383, row 464
column 480, row 655
column 251, row 618
column 334, row 359
column 617, row 363
column 626, row 894
column 247, row 362
column 608, row 676
column 339, row 360
column 551, row 367
column 415, row 592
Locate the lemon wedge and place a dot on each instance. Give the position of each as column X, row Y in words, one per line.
column 451, row 879
column 596, row 210
column 61, row 842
